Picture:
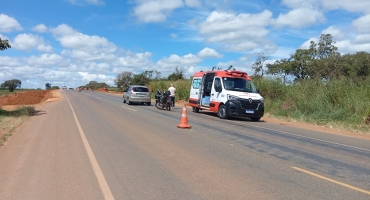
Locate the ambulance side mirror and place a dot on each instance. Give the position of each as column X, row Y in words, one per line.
column 218, row 88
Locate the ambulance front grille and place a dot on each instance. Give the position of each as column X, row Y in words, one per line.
column 250, row 106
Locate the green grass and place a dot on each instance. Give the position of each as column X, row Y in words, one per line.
column 22, row 111
column 344, row 103
column 10, row 120
column 340, row 103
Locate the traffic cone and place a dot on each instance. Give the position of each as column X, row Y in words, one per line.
column 184, row 119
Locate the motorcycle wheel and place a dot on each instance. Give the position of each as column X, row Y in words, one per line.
column 168, row 106
column 158, row 105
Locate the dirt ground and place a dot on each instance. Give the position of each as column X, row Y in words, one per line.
column 29, row 98
column 37, row 97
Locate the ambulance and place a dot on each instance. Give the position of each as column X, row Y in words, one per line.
column 227, row 93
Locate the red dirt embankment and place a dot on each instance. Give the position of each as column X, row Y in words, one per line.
column 26, row 98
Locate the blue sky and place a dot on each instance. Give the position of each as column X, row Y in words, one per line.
column 72, row 42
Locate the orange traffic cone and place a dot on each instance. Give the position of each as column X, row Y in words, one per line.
column 184, row 119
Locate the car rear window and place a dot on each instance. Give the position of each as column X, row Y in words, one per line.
column 141, row 89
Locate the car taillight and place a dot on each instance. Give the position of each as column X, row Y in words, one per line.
column 132, row 89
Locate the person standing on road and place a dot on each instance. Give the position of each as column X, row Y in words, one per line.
column 172, row 95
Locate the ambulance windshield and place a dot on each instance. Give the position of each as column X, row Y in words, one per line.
column 239, row 84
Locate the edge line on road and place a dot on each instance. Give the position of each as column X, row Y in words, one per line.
column 331, row 180
column 94, row 163
column 302, row 136
column 128, row 108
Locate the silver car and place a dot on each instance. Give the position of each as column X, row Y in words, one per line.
column 137, row 94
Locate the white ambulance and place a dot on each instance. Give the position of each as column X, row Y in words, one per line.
column 227, row 93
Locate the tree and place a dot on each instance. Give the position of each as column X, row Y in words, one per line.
column 4, row 44
column 123, row 80
column 48, row 86
column 216, row 68
column 258, row 66
column 12, row 84
column 140, row 79
column 178, row 74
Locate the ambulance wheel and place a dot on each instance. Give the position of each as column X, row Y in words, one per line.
column 222, row 112
column 195, row 109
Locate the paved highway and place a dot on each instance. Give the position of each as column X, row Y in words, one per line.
column 90, row 145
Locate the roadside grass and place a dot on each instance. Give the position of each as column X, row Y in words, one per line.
column 342, row 103
column 10, row 120
column 182, row 88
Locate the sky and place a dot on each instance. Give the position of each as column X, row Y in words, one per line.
column 73, row 42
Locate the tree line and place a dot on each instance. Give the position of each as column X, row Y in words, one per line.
column 321, row 61
column 126, row 78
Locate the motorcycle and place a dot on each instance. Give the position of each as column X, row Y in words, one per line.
column 163, row 102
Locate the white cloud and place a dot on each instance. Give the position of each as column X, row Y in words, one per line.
column 348, row 5
column 155, row 10
column 69, row 38
column 346, row 46
column 45, row 60
column 242, row 32
column 362, row 24
column 361, row 39
column 45, row 48
column 209, row 53
column 41, row 28
column 173, row 35
column 6, row 61
column 97, row 77
column 90, row 2
column 336, row 32
column 89, row 55
column 134, row 60
column 193, row 3
column 26, row 41
column 299, row 18
column 8, row 24
column 183, row 61
column 3, row 37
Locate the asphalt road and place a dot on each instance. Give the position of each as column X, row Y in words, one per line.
column 90, row 145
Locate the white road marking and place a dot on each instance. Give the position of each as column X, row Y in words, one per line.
column 301, row 136
column 128, row 108
column 331, row 180
column 94, row 163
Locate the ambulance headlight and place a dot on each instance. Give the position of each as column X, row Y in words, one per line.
column 262, row 100
column 232, row 98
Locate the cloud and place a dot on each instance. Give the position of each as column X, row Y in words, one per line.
column 209, row 53
column 41, row 28
column 26, row 41
column 70, row 38
column 85, row 76
column 9, row 24
column 6, row 61
column 193, row 3
column 156, row 10
column 336, row 32
column 299, row 18
column 362, row 24
column 45, row 60
column 242, row 32
column 45, row 48
column 89, row 2
column 361, row 39
column 348, row 5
